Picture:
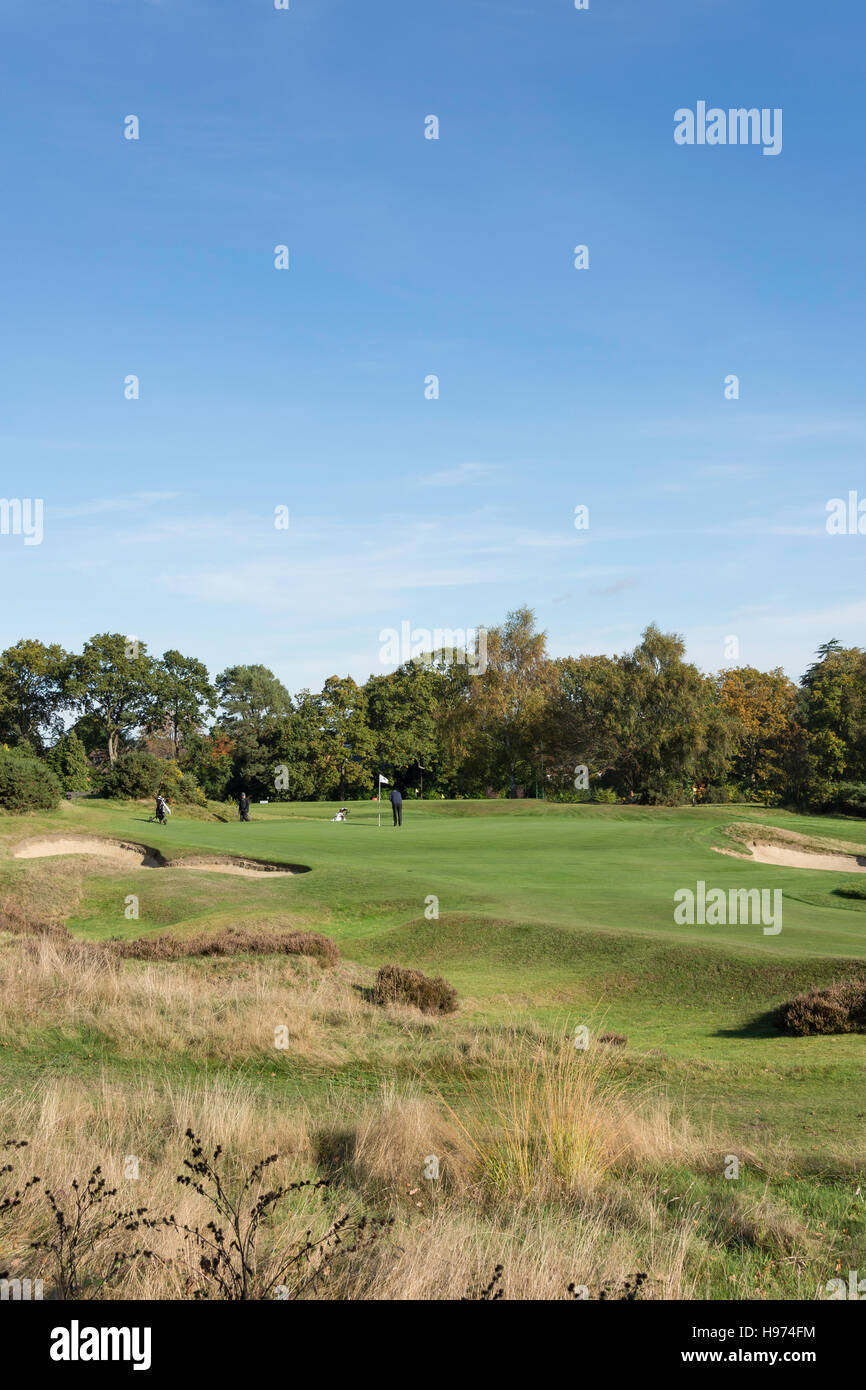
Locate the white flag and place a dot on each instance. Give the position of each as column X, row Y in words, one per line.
column 382, row 779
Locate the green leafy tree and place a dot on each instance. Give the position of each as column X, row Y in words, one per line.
column 251, row 696
column 27, row 783
column 673, row 732
column 762, row 705
column 209, row 758
column 647, row 724
column 831, row 707
column 401, row 714
column 253, row 707
column 68, row 760
column 345, row 743
column 185, row 697
column 33, row 681
column 506, row 704
column 583, row 728
column 297, row 771
column 115, row 682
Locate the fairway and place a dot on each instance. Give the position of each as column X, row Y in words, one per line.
column 547, row 866
column 520, row 904
column 543, row 916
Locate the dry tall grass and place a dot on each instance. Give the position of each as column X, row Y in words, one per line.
column 548, row 1161
column 442, row 1245
column 220, row 1009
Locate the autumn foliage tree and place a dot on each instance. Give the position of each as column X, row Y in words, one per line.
column 763, row 706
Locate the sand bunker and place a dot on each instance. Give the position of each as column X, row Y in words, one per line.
column 131, row 855
column 792, row 858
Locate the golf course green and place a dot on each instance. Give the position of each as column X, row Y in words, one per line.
column 542, row 915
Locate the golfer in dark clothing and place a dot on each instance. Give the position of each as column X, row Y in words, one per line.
column 397, row 806
column 244, row 804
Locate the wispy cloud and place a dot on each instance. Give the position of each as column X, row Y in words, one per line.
column 100, row 506
column 619, row 586
column 458, row 477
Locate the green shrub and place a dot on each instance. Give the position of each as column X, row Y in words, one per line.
column 432, row 995
column 135, row 775
column 138, row 774
column 68, row 760
column 179, row 786
column 26, row 783
column 715, row 796
column 840, row 1008
column 757, row 796
column 848, row 799
column 189, row 793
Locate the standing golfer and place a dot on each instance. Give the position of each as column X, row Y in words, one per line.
column 397, row 806
column 244, row 806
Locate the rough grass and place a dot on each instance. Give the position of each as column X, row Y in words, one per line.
column 560, row 1167
column 449, row 1231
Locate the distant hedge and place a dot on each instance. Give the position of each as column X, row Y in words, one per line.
column 26, row 783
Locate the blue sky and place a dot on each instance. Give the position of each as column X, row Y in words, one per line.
column 410, row 257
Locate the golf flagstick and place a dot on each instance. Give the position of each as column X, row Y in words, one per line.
column 381, row 780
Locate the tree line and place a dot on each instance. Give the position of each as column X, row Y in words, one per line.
column 646, row 726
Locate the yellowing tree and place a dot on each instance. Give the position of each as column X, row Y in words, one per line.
column 763, row 705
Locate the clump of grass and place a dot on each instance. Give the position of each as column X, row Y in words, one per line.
column 840, row 1008
column 551, row 1119
column 19, row 922
column 392, row 1143
column 430, row 994
column 231, row 942
column 613, row 1039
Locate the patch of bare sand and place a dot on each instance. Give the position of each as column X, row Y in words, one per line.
column 130, row 855
column 791, row 858
column 245, row 867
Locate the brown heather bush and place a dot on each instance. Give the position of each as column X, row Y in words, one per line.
column 21, row 923
column 22, row 920
column 430, row 994
column 840, row 1008
column 231, row 942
